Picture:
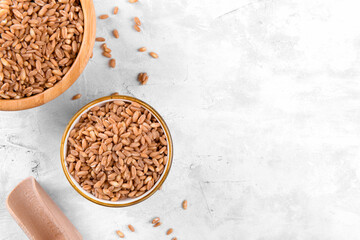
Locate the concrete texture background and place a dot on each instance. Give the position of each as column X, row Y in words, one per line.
column 262, row 98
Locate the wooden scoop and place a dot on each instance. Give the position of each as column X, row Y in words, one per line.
column 37, row 214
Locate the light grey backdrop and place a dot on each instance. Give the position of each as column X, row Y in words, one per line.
column 263, row 101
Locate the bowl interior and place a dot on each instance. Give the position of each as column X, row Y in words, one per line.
column 124, row 202
column 71, row 76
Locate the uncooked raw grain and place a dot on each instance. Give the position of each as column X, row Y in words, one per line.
column 120, row 234
column 116, row 151
column 155, row 220
column 112, row 63
column 143, row 78
column 131, row 228
column 184, row 204
column 157, row 224
column 137, row 28
column 154, row 55
column 39, row 42
column 137, row 21
column 116, row 33
column 104, row 16
column 116, row 10
column 100, row 39
column 106, row 54
column 77, row 96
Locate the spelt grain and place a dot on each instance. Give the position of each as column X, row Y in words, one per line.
column 154, row 55
column 137, row 28
column 107, row 156
column 77, row 96
column 120, row 234
column 100, row 39
column 184, row 204
column 112, row 63
column 39, row 43
column 155, row 220
column 116, row 10
column 104, row 16
column 116, row 33
column 157, row 224
column 131, row 228
column 137, row 21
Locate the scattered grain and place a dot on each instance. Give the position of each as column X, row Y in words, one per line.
column 112, row 63
column 137, row 28
column 104, row 16
column 116, row 33
column 143, row 78
column 155, row 220
column 142, row 49
column 154, row 55
column 106, row 54
column 100, row 39
column 184, row 204
column 116, row 10
column 169, row 231
column 120, row 234
column 131, row 228
column 77, row 96
column 157, row 224
column 137, row 21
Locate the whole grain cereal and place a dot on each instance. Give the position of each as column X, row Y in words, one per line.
column 39, row 42
column 117, row 151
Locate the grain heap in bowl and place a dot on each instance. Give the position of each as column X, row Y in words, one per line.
column 117, row 151
column 39, row 42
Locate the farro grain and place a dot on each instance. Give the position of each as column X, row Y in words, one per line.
column 155, row 220
column 100, row 39
column 137, row 21
column 39, row 42
column 142, row 49
column 106, row 54
column 157, row 224
column 77, row 96
column 169, row 231
column 116, row 33
column 131, row 228
column 143, row 78
column 120, row 234
column 112, row 63
column 116, row 10
column 104, row 16
column 106, row 155
column 137, row 28
column 154, row 55
column 184, row 204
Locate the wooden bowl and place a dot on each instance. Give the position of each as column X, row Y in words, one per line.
column 71, row 76
column 129, row 201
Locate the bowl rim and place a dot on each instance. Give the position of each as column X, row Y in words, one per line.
column 154, row 189
column 72, row 74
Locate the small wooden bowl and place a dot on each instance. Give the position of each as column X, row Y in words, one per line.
column 71, row 76
column 129, row 201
